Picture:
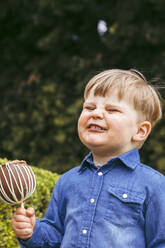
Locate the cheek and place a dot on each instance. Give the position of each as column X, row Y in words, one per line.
column 82, row 120
column 80, row 128
column 81, row 123
column 115, row 122
column 119, row 125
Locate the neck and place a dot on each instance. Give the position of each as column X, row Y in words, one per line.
column 99, row 160
column 101, row 157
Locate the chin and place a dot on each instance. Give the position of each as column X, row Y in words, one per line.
column 92, row 145
column 90, row 141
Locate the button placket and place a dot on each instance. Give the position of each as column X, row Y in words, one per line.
column 89, row 212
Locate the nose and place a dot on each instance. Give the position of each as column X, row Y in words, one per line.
column 98, row 113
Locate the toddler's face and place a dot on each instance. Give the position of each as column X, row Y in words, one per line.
column 106, row 125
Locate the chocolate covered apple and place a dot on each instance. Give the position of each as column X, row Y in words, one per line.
column 17, row 182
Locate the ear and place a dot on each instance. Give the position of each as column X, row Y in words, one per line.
column 144, row 129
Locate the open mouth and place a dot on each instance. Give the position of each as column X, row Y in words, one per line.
column 96, row 127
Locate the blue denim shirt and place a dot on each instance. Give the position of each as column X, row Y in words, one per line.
column 119, row 205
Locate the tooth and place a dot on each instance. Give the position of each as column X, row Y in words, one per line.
column 96, row 127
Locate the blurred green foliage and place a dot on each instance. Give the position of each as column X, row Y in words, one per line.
column 39, row 201
column 49, row 50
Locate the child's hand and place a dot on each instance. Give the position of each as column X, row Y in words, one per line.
column 23, row 222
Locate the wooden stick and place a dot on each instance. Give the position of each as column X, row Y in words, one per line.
column 22, row 205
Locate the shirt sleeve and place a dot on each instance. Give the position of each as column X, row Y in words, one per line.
column 48, row 232
column 155, row 216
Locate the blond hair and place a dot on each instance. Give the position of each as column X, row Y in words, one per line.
column 132, row 84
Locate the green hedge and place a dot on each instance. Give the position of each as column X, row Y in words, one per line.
column 39, row 201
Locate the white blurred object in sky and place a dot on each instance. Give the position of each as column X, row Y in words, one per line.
column 102, row 27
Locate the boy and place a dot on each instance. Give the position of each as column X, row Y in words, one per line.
column 111, row 199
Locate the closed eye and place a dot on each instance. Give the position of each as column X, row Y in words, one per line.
column 113, row 110
column 89, row 107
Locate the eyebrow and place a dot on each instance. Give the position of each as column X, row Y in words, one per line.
column 89, row 103
column 113, row 106
column 107, row 105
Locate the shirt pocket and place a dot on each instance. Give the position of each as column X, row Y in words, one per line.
column 124, row 207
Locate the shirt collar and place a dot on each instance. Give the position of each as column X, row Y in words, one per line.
column 88, row 160
column 131, row 159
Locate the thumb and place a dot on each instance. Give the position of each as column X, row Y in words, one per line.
column 30, row 212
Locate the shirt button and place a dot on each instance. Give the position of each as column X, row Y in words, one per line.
column 92, row 200
column 84, row 231
column 125, row 195
column 100, row 173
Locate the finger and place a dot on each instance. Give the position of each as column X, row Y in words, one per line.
column 24, row 233
column 21, row 225
column 21, row 218
column 21, row 211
